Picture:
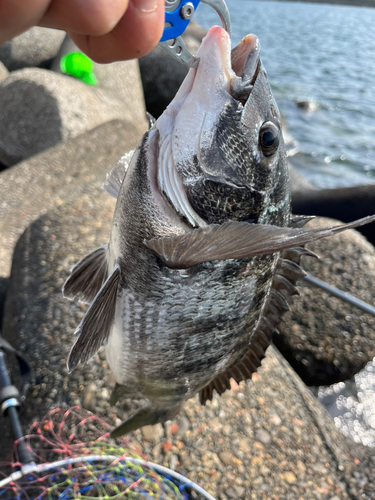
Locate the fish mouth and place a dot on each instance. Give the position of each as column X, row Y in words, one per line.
column 187, row 127
column 234, row 70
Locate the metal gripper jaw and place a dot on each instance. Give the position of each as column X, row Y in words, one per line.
column 178, row 14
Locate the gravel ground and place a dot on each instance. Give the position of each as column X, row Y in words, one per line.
column 267, row 439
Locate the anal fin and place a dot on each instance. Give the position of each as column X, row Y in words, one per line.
column 95, row 326
column 147, row 415
column 87, row 276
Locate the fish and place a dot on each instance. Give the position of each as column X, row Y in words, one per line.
column 203, row 256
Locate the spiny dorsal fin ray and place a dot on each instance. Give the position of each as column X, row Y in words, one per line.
column 95, row 326
column 237, row 240
column 87, row 276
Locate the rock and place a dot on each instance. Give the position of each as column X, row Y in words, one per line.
column 37, row 196
column 325, row 339
column 35, row 47
column 345, row 203
column 162, row 75
column 89, row 397
column 244, row 445
column 40, row 108
column 3, row 72
column 63, row 173
column 263, row 436
column 289, row 477
column 225, row 457
column 152, row 433
column 42, row 258
column 183, row 426
column 307, row 105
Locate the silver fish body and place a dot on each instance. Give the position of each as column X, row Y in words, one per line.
column 201, row 261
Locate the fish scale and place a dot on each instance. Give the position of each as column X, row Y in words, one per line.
column 198, row 309
column 203, row 257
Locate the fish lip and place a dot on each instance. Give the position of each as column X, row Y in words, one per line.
column 239, row 67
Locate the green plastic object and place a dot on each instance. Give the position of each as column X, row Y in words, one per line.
column 80, row 66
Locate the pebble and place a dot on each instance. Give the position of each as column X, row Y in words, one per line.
column 244, row 445
column 89, row 397
column 263, row 436
column 290, row 477
column 225, row 457
column 183, row 426
column 152, row 432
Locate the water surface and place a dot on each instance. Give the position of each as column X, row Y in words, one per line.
column 324, row 54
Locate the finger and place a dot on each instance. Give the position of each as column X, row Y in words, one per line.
column 85, row 17
column 17, row 16
column 136, row 34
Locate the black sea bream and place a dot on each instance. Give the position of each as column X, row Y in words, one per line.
column 203, row 254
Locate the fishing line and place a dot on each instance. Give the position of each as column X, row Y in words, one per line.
column 340, row 294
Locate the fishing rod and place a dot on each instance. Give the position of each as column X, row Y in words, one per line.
column 10, row 399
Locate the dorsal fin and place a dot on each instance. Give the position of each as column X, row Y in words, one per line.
column 117, row 174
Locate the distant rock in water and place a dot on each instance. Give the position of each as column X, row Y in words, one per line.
column 307, row 105
column 325, row 339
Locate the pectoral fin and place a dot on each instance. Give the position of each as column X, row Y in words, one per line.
column 87, row 276
column 95, row 326
column 237, row 240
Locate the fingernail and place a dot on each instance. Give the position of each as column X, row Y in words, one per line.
column 146, row 6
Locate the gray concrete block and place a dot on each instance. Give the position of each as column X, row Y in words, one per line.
column 64, row 172
column 35, row 47
column 325, row 339
column 40, row 108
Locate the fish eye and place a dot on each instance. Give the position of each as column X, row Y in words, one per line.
column 269, row 138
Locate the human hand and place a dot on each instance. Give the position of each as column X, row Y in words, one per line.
column 105, row 30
